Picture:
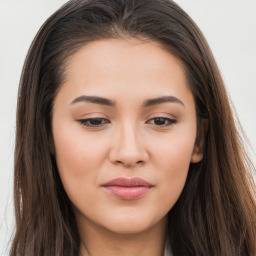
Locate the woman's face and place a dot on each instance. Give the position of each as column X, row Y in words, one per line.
column 124, row 130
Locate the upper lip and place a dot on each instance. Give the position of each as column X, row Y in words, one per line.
column 128, row 182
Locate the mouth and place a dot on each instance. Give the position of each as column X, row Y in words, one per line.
column 127, row 188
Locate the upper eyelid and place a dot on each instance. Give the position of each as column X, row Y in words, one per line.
column 92, row 115
column 92, row 118
column 152, row 116
column 101, row 114
column 164, row 117
column 161, row 114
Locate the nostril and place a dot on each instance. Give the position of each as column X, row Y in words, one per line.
column 134, row 163
column 130, row 163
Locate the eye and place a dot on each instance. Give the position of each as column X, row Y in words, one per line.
column 162, row 121
column 94, row 122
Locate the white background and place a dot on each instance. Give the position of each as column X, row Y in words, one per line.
column 229, row 26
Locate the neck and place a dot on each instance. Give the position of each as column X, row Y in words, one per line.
column 96, row 241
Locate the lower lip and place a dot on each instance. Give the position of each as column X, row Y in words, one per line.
column 127, row 193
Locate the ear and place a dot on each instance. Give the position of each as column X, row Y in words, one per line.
column 198, row 150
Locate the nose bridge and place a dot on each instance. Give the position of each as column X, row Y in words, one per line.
column 129, row 134
column 128, row 145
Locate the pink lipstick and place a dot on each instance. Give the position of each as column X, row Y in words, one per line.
column 127, row 188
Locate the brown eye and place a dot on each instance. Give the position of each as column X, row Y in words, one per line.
column 162, row 121
column 94, row 122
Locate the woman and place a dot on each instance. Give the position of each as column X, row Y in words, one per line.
column 126, row 144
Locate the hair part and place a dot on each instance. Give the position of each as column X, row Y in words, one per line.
column 215, row 214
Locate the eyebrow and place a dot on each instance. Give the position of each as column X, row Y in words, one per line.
column 107, row 102
column 94, row 99
column 161, row 100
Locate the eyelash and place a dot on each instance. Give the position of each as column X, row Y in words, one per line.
column 165, row 119
column 86, row 122
column 104, row 121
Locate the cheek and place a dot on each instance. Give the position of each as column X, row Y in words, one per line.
column 78, row 159
column 174, row 151
column 70, row 153
column 173, row 160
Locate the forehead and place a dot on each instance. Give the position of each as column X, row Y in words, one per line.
column 115, row 66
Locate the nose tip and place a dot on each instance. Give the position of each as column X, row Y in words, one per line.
column 128, row 149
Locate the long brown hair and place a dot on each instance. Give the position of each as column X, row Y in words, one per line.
column 216, row 212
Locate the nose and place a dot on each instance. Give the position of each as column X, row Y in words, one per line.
column 128, row 148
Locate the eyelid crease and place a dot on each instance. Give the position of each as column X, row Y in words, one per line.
column 92, row 115
column 161, row 114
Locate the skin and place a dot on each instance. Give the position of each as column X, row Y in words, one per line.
column 129, row 141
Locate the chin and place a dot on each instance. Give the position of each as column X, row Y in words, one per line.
column 131, row 224
column 128, row 229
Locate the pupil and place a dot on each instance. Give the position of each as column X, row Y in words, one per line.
column 159, row 121
column 96, row 121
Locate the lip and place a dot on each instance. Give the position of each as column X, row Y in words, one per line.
column 127, row 188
